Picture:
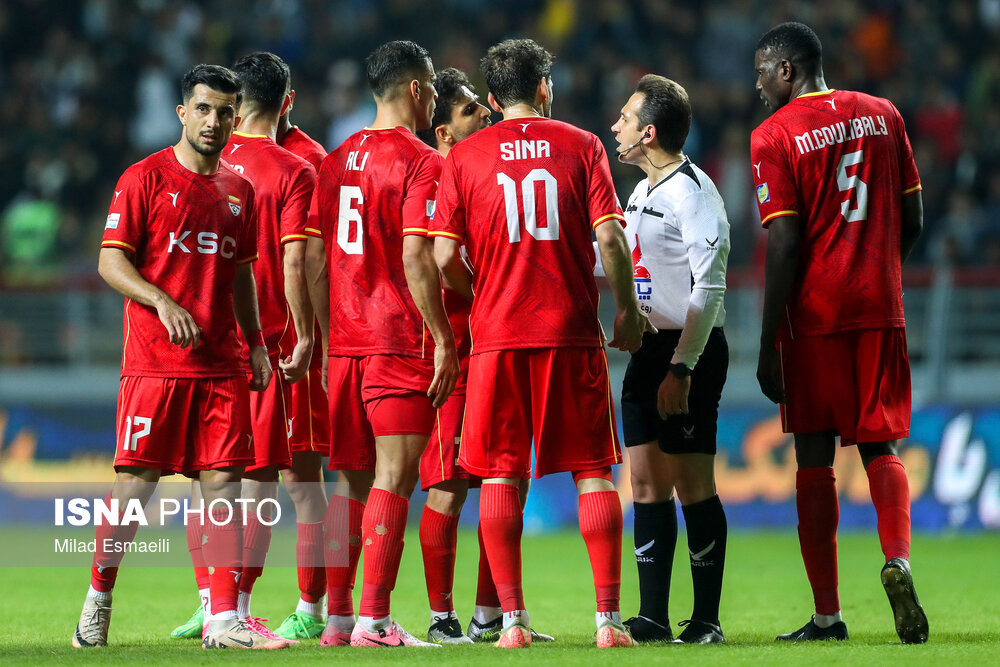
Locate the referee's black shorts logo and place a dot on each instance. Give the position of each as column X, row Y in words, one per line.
column 693, row 433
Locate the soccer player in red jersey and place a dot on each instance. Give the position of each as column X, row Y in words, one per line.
column 523, row 196
column 840, row 197
column 309, row 441
column 180, row 237
column 391, row 350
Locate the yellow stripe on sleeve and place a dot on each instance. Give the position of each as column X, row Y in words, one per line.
column 605, row 218
column 247, row 260
column 415, row 230
column 448, row 234
column 120, row 244
column 294, row 237
column 314, row 232
column 915, row 188
column 777, row 214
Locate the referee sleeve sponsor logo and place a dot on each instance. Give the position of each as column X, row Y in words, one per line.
column 113, row 219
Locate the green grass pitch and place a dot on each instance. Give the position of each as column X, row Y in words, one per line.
column 765, row 593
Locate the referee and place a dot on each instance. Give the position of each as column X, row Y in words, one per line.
column 679, row 236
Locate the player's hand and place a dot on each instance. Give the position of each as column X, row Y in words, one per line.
column 769, row 374
column 446, row 373
column 180, row 326
column 294, row 367
column 672, row 397
column 260, row 368
column 630, row 325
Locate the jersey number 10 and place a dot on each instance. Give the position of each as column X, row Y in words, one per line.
column 847, row 183
column 550, row 232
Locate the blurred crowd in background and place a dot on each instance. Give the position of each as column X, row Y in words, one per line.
column 90, row 86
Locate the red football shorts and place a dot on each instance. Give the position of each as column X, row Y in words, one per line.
column 375, row 396
column 269, row 417
column 183, row 425
column 439, row 462
column 309, row 412
column 856, row 383
column 560, row 397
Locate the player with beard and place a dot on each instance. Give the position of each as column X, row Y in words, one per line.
column 179, row 241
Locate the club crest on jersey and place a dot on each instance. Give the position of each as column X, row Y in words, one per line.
column 431, row 208
column 763, row 196
column 235, row 205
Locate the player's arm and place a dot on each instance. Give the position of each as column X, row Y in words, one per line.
column 248, row 317
column 630, row 322
column 424, row 283
column 448, row 257
column 912, row 223
column 118, row 271
column 780, row 265
column 318, row 284
column 295, row 366
column 707, row 259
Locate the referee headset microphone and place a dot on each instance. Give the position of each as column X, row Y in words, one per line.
column 622, row 153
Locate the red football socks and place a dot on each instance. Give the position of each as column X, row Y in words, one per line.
column 438, row 543
column 195, row 533
column 890, row 492
column 501, row 522
column 819, row 514
column 486, row 590
column 601, row 527
column 104, row 570
column 223, row 551
column 256, row 542
column 341, row 551
column 382, row 529
column 309, row 558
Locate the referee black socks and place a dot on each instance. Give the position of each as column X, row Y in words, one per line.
column 655, row 540
column 706, row 530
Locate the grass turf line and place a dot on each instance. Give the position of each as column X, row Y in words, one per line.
column 765, row 593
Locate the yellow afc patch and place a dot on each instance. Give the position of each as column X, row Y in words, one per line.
column 763, row 195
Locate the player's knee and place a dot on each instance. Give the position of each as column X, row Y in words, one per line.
column 589, row 481
column 694, row 488
column 447, row 499
column 870, row 451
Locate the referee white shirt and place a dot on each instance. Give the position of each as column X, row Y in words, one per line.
column 678, row 233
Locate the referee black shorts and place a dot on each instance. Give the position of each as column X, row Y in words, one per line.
column 693, row 433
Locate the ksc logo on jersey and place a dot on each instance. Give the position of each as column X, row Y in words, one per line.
column 763, row 196
column 235, row 205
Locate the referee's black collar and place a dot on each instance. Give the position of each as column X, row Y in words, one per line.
column 683, row 168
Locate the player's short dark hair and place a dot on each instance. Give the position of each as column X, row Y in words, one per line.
column 796, row 43
column 265, row 78
column 513, row 68
column 666, row 106
column 394, row 63
column 215, row 77
column 448, row 83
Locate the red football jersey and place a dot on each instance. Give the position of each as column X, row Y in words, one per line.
column 375, row 188
column 307, row 148
column 842, row 163
column 283, row 185
column 523, row 195
column 186, row 232
column 300, row 143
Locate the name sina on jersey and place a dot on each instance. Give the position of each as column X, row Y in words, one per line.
column 838, row 133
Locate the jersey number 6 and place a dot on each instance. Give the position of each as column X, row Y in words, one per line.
column 550, row 232
column 348, row 216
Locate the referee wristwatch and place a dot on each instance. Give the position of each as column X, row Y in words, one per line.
column 680, row 371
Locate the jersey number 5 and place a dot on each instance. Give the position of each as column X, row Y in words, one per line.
column 847, row 183
column 349, row 220
column 550, row 232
